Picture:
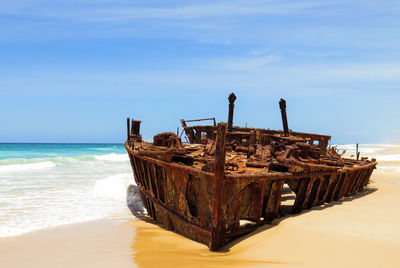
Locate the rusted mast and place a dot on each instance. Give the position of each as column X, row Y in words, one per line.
column 219, row 176
column 231, row 98
column 128, row 121
column 282, row 105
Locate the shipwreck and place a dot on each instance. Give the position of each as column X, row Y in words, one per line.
column 226, row 180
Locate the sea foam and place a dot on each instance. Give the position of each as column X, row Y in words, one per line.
column 28, row 166
column 67, row 187
column 112, row 157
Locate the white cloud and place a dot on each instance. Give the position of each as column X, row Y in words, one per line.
column 236, row 8
column 252, row 63
column 123, row 10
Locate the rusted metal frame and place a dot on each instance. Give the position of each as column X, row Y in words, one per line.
column 366, row 165
column 147, row 201
column 274, row 201
column 316, row 200
column 282, row 106
column 343, row 185
column 312, row 193
column 352, row 181
column 139, row 162
column 267, row 195
column 175, row 223
column 237, row 199
column 364, row 178
column 313, row 165
column 329, row 188
column 128, row 128
column 147, row 205
column 276, row 175
column 357, row 180
column 172, row 213
column 367, row 177
column 162, row 172
column 143, row 180
column 335, row 181
column 338, row 186
column 261, row 212
column 153, row 171
column 190, row 170
column 140, row 166
column 153, row 208
column 346, row 182
column 361, row 178
column 231, row 99
column 324, row 189
column 147, row 177
column 201, row 119
column 308, row 192
column 301, row 194
column 150, row 179
column 217, row 185
column 257, row 198
column 134, row 170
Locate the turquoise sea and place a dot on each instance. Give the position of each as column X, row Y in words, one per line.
column 46, row 185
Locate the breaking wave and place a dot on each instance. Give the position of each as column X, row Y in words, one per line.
column 22, row 164
column 69, row 187
column 28, row 166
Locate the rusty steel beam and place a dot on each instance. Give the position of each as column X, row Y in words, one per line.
column 231, row 98
column 219, row 176
column 282, row 106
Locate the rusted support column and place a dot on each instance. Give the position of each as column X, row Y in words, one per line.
column 275, row 196
column 136, row 127
column 282, row 105
column 128, row 127
column 135, row 130
column 231, row 98
column 217, row 185
column 253, row 137
column 357, row 152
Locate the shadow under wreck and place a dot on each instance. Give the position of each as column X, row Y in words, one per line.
column 226, row 181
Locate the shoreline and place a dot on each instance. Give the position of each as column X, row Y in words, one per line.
column 356, row 231
column 359, row 231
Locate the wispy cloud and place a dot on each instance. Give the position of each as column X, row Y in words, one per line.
column 233, row 8
column 123, row 10
column 251, row 63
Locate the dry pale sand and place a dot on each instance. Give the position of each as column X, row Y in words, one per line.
column 361, row 231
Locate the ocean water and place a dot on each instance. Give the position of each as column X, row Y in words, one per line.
column 46, row 185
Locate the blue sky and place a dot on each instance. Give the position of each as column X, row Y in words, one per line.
column 72, row 71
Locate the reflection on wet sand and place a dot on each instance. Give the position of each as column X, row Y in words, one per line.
column 154, row 245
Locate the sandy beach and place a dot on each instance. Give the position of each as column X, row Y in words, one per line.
column 358, row 231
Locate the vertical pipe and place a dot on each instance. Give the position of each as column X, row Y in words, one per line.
column 217, row 185
column 231, row 99
column 128, row 122
column 282, row 105
column 357, row 153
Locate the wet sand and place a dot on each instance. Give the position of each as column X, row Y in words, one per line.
column 359, row 231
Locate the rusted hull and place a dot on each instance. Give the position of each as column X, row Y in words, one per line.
column 183, row 198
column 229, row 180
